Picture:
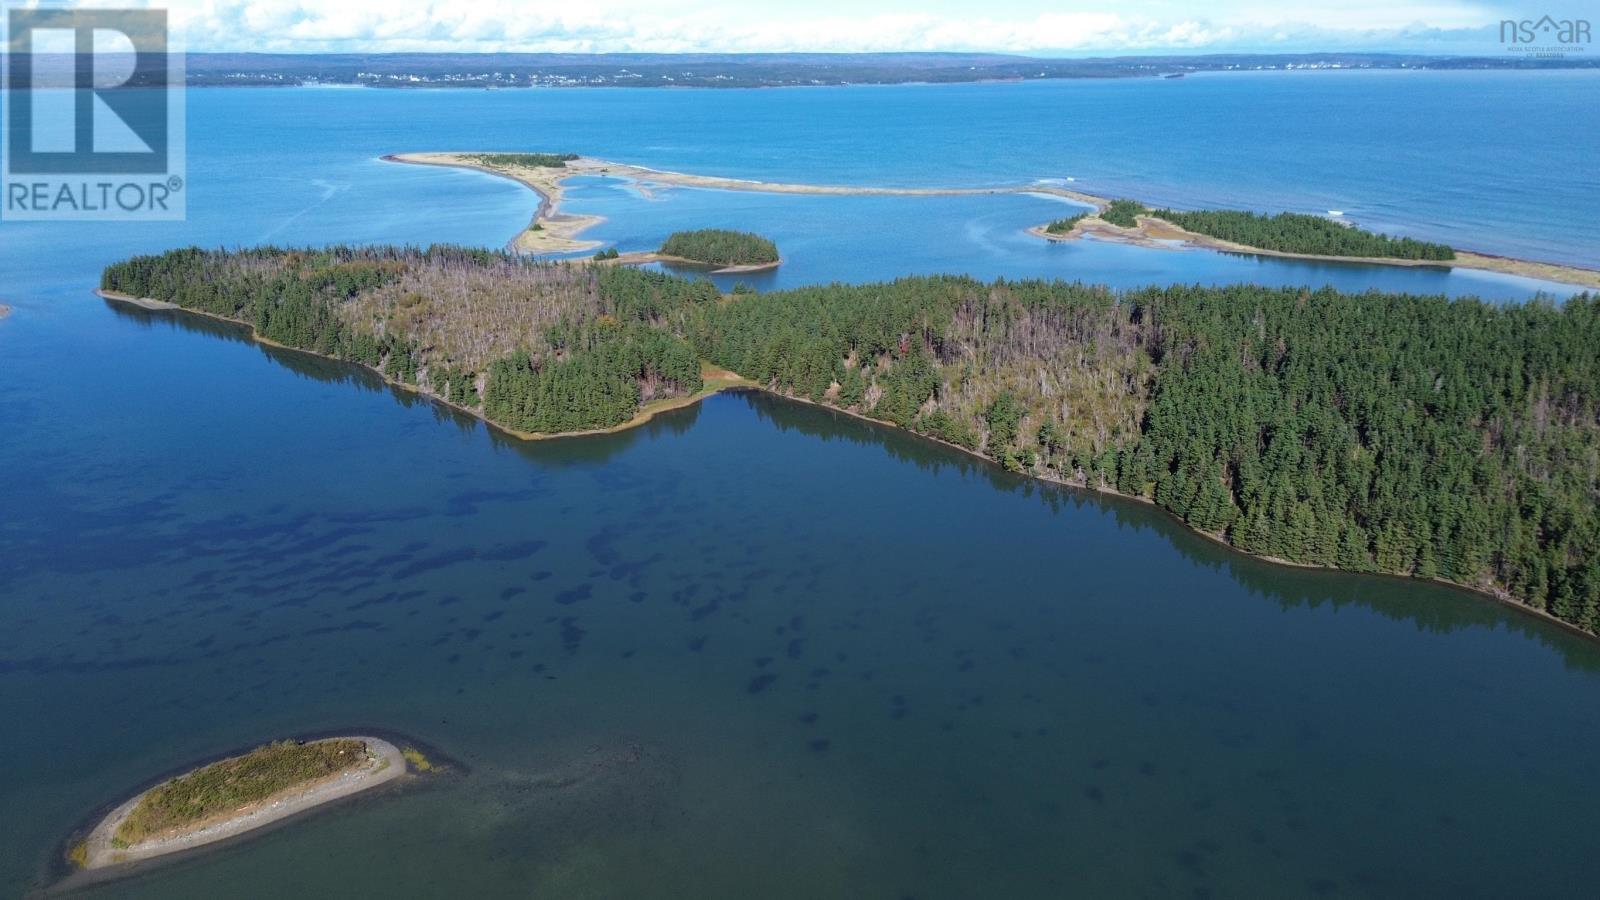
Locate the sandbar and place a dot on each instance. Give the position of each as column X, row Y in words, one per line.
column 552, row 231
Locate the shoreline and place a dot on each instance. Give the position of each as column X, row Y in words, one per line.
column 551, row 231
column 640, row 257
column 718, row 380
column 1500, row 597
column 1155, row 233
column 385, row 765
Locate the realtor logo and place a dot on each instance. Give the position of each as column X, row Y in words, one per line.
column 93, row 123
column 1546, row 37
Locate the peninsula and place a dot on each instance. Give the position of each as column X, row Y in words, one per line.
column 1290, row 424
column 1291, row 236
column 237, row 795
column 552, row 231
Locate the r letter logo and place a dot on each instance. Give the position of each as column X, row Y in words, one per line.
column 93, row 125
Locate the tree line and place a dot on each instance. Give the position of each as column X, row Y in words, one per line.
column 1062, row 226
column 1373, row 432
column 526, row 160
column 533, row 346
column 721, row 247
column 1121, row 213
column 1376, row 432
column 1298, row 233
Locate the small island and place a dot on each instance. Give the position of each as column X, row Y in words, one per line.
column 732, row 251
column 4, row 310
column 722, row 251
column 239, row 794
column 1290, row 235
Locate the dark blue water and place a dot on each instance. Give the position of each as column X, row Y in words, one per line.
column 753, row 648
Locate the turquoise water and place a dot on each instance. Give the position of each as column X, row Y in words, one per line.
column 866, row 238
column 753, row 648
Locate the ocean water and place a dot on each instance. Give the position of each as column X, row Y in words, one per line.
column 756, row 648
column 869, row 238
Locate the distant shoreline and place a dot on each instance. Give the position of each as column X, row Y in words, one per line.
column 723, row 71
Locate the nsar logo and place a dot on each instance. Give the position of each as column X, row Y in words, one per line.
column 1546, row 37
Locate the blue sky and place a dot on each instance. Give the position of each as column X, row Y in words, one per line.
column 1065, row 27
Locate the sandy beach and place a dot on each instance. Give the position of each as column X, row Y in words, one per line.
column 550, row 230
column 385, row 764
column 638, row 258
column 141, row 302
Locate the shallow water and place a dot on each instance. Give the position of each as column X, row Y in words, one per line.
column 751, row 649
column 866, row 238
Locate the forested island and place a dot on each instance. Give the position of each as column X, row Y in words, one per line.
column 1373, row 432
column 721, row 247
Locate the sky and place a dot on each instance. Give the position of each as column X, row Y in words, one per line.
column 1061, row 28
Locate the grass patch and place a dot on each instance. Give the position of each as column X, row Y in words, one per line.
column 227, row 785
column 79, row 854
column 416, row 759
